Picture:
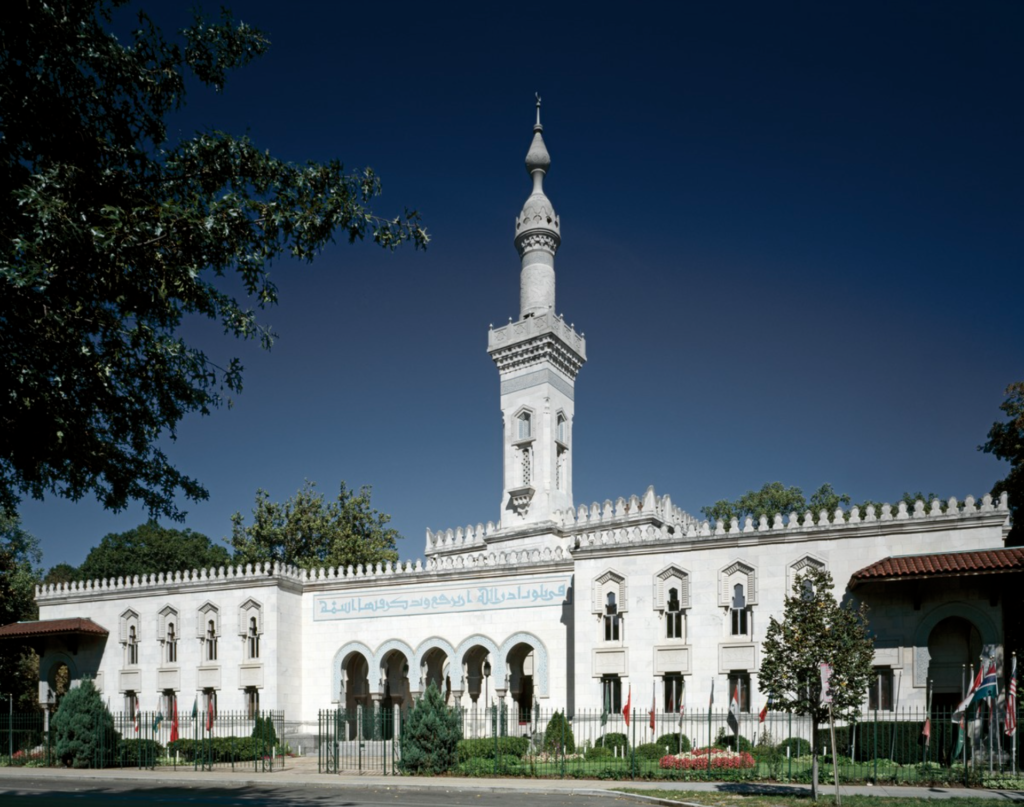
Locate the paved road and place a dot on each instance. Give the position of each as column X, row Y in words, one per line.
column 43, row 791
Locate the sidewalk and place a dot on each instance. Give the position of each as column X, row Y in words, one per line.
column 302, row 774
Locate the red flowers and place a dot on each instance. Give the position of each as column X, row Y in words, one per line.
column 721, row 759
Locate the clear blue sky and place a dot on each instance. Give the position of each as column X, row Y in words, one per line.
column 792, row 234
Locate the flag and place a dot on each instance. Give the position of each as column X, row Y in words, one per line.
column 138, row 715
column 764, row 712
column 157, row 720
column 628, row 706
column 195, row 708
column 959, row 741
column 961, row 710
column 209, row 714
column 734, row 711
column 682, row 707
column 711, row 700
column 654, row 703
column 605, row 710
column 987, row 690
column 826, row 682
column 174, row 721
column 926, row 732
column 1010, row 721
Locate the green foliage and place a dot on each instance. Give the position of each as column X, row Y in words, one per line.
column 264, row 733
column 598, row 752
column 19, row 573
column 613, row 739
column 132, row 750
column 815, row 629
column 797, row 747
column 481, row 766
column 725, row 740
column 1006, row 442
column 487, row 747
column 430, row 735
column 80, row 727
column 677, row 743
column 558, row 736
column 111, row 236
column 218, row 749
column 773, row 499
column 148, row 549
column 308, row 532
column 652, row 751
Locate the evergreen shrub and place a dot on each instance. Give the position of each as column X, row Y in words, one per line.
column 730, row 741
column 558, row 737
column 83, row 728
column 598, row 752
column 614, row 739
column 798, row 747
column 134, row 751
column 430, row 735
column 672, row 741
column 653, row 751
column 484, row 748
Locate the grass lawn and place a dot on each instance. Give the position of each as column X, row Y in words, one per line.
column 790, row 799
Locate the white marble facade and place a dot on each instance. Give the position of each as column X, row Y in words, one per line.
column 518, row 609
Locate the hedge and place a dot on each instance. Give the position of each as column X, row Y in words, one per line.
column 487, row 747
column 216, row 749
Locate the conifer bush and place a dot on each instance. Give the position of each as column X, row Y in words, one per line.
column 558, row 737
column 430, row 735
column 83, row 729
column 676, row 742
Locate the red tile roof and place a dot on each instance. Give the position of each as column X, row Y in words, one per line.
column 942, row 564
column 51, row 627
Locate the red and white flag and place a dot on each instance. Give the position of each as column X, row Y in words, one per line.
column 209, row 714
column 764, row 712
column 628, row 706
column 654, row 703
column 174, row 721
column 1010, row 722
column 138, row 714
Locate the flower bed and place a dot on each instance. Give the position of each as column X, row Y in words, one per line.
column 703, row 758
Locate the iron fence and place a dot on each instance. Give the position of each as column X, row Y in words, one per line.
column 358, row 740
column 883, row 747
column 199, row 741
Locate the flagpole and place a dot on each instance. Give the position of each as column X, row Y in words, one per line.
column 711, row 703
column 896, row 710
column 1013, row 706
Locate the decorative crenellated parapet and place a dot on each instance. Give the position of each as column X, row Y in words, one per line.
column 598, row 526
column 244, row 574
column 649, row 507
column 461, row 538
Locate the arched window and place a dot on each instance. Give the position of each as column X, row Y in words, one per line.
column 133, row 646
column 611, row 619
column 524, row 426
column 171, row 643
column 211, row 641
column 673, row 616
column 254, row 639
column 739, row 612
column 562, row 430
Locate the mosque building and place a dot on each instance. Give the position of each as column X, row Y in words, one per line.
column 556, row 604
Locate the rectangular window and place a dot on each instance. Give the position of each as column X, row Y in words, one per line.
column 880, row 690
column 167, row 704
column 674, row 692
column 209, row 699
column 740, row 679
column 740, row 622
column 252, row 702
column 129, row 703
column 211, row 641
column 674, row 625
column 611, row 694
column 172, row 645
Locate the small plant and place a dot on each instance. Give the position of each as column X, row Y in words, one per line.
column 730, row 741
column 795, row 746
column 613, row 740
column 676, row 743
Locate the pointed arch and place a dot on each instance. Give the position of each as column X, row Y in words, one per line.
column 661, row 586
column 540, row 660
column 341, row 659
column 424, row 647
column 498, row 661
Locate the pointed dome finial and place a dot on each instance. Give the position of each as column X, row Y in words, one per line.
column 537, row 158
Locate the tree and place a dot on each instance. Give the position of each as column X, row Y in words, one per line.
column 1006, row 442
column 815, row 629
column 430, row 735
column 110, row 236
column 149, row 549
column 775, row 498
column 82, row 727
column 308, row 532
column 19, row 573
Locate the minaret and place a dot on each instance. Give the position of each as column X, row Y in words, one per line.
column 538, row 358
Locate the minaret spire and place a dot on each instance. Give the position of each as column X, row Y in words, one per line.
column 538, row 234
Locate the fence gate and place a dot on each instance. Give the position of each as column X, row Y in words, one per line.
column 363, row 739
